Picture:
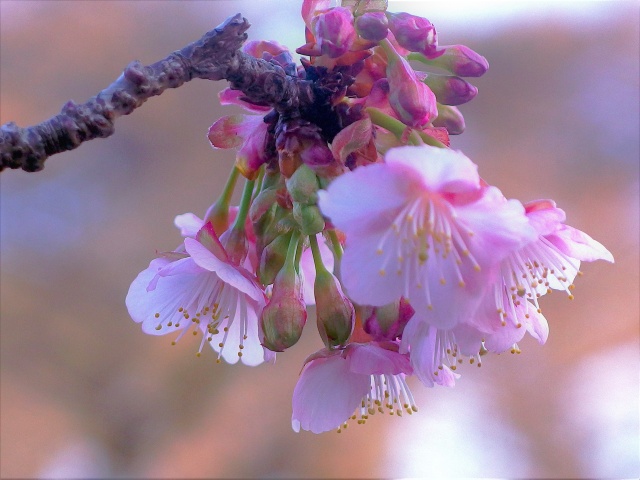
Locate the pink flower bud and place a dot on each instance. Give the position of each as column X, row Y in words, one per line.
column 334, row 31
column 461, row 60
column 388, row 321
column 416, row 34
column 249, row 132
column 284, row 317
column 450, row 90
column 412, row 100
column 372, row 26
column 299, row 142
column 335, row 312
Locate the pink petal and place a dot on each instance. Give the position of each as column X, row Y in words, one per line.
column 371, row 359
column 207, row 237
column 544, row 216
column 577, row 244
column 361, row 272
column 440, row 169
column 499, row 226
column 468, row 339
column 351, row 139
column 228, row 273
column 504, row 338
column 420, row 340
column 230, row 131
column 189, row 224
column 228, row 96
column 170, row 294
column 327, row 394
column 353, row 201
column 536, row 324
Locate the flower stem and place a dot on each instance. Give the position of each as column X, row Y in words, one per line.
column 317, row 257
column 336, row 248
column 335, row 244
column 292, row 250
column 244, row 205
column 218, row 213
column 399, row 129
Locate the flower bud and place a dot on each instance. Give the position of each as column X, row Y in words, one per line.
column 411, row 100
column 309, row 218
column 303, row 186
column 300, row 142
column 360, row 7
column 272, row 258
column 416, row 34
column 372, row 26
column 461, row 60
column 388, row 321
column 334, row 31
column 334, row 311
column 284, row 317
column 450, row 118
column 450, row 90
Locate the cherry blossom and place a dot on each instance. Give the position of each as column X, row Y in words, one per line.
column 423, row 227
column 201, row 290
column 364, row 378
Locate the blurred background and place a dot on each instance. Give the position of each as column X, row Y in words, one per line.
column 84, row 393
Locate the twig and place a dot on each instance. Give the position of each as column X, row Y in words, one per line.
column 216, row 56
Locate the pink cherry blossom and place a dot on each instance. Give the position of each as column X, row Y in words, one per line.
column 203, row 289
column 362, row 378
column 423, row 227
column 550, row 261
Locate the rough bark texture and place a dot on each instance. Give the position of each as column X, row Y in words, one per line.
column 216, row 56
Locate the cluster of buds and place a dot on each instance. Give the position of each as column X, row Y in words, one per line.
column 358, row 206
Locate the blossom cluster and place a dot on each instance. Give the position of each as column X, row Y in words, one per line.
column 360, row 207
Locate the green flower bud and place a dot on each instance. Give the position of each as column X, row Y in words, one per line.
column 309, row 218
column 272, row 258
column 334, row 311
column 303, row 186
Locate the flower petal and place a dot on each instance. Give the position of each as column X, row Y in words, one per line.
column 227, row 272
column 577, row 244
column 371, row 359
column 354, row 202
column 189, row 224
column 327, row 394
column 439, row 169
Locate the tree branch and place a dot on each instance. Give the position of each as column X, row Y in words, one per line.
column 215, row 56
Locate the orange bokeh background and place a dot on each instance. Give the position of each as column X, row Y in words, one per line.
column 84, row 393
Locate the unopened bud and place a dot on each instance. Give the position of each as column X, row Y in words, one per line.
column 450, row 90
column 359, row 7
column 450, row 118
column 461, row 60
column 416, row 34
column 309, row 218
column 284, row 317
column 334, row 31
column 272, row 258
column 372, row 26
column 335, row 312
column 388, row 321
column 303, row 186
column 411, row 100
